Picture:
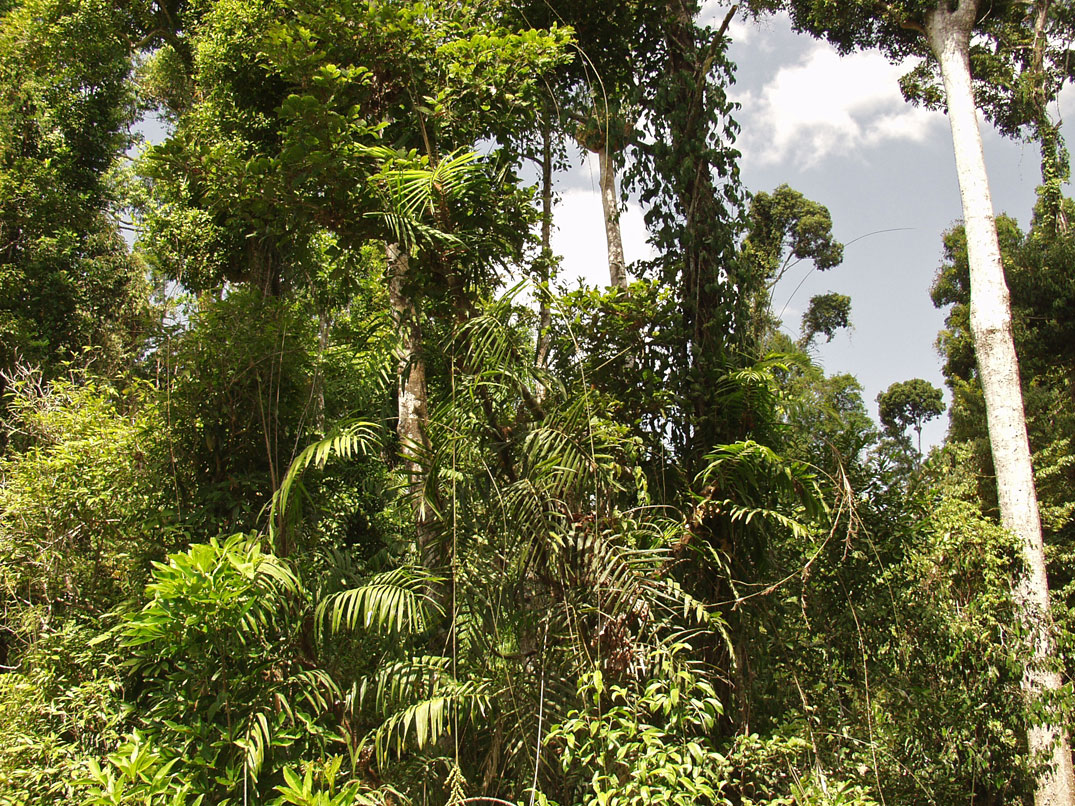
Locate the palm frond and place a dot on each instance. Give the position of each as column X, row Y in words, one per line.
column 349, row 440
column 397, row 600
column 256, row 739
column 413, row 192
column 429, row 719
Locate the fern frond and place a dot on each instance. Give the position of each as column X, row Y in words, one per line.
column 758, row 477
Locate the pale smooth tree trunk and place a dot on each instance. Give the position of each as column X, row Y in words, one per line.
column 949, row 35
column 610, row 202
column 413, row 406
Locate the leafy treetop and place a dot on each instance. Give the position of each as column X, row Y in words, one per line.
column 909, row 403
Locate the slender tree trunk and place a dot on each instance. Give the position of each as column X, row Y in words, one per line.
column 1055, row 168
column 413, row 409
column 1037, row 50
column 545, row 262
column 319, row 379
column 990, row 319
column 610, row 202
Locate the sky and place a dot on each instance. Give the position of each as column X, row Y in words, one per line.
column 838, row 130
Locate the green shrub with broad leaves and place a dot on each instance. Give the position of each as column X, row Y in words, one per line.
column 136, row 774
column 649, row 743
column 221, row 662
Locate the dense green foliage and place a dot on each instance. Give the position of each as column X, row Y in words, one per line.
column 67, row 281
column 326, row 515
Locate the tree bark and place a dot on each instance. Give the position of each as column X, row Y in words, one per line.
column 610, row 202
column 413, row 407
column 545, row 262
column 319, row 378
column 1055, row 170
column 949, row 34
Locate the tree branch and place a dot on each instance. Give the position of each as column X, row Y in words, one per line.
column 727, row 20
column 902, row 21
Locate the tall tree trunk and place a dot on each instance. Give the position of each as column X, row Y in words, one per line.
column 319, row 379
column 413, row 408
column 1055, row 166
column 990, row 319
column 707, row 292
column 545, row 262
column 610, row 202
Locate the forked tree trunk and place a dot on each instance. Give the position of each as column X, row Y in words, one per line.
column 413, row 408
column 610, row 202
column 949, row 35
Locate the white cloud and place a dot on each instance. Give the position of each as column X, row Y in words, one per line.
column 713, row 13
column 1065, row 104
column 827, row 104
column 579, row 237
column 744, row 29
